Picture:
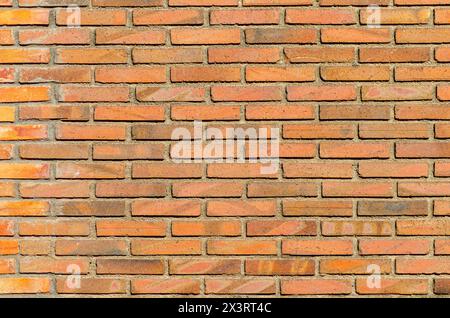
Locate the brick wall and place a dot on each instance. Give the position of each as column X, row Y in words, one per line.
column 359, row 202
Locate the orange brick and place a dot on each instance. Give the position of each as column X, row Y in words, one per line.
column 205, row 36
column 130, row 228
column 317, row 247
column 398, row 16
column 165, row 286
column 130, row 75
column 129, row 36
column 266, row 267
column 280, row 36
column 358, row 189
column 241, row 208
column 24, row 285
column 24, row 171
column 89, row 17
column 245, row 16
column 205, row 74
column 206, row 228
column 166, row 208
column 394, row 247
column 202, row 266
column 355, row 35
column 59, row 36
column 240, row 286
column 394, row 287
column 24, row 16
column 316, row 287
column 241, row 247
column 165, row 247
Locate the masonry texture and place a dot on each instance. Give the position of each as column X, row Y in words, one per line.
column 87, row 182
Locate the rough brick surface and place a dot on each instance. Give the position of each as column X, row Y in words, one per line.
column 89, row 186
